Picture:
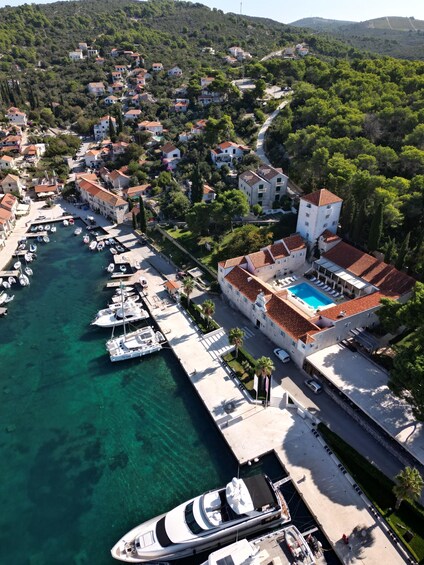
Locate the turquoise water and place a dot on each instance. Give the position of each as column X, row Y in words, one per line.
column 310, row 295
column 89, row 448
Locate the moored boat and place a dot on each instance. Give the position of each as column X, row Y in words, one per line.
column 110, row 268
column 65, row 223
column 215, row 518
column 40, row 228
column 86, row 239
column 113, row 250
column 33, row 248
column 28, row 271
column 23, row 280
column 6, row 284
column 11, row 280
column 129, row 313
column 9, row 298
column 53, row 229
column 100, row 246
column 46, row 239
column 123, row 268
column 143, row 282
column 47, row 227
column 29, row 257
column 92, row 245
column 71, row 221
column 17, row 265
column 134, row 344
column 77, row 230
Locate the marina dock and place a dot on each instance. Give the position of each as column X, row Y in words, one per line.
column 6, row 274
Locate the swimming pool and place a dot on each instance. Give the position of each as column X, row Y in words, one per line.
column 310, row 295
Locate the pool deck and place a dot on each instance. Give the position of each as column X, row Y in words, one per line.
column 250, row 430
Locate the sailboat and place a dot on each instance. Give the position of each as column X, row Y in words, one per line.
column 134, row 344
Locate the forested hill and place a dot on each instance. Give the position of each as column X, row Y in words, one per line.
column 171, row 31
column 394, row 36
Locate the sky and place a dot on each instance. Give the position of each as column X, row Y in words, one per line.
column 286, row 12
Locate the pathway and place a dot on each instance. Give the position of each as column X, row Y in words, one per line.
column 260, row 150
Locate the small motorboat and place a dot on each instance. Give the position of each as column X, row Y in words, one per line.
column 93, row 245
column 17, row 265
column 33, row 229
column 123, row 268
column 107, row 242
column 40, row 239
column 3, row 297
column 77, row 231
column 110, row 268
column 54, row 228
column 120, row 249
column 86, row 239
column 113, row 250
column 40, row 228
column 24, row 280
column 47, row 227
column 143, row 282
column 65, row 223
column 29, row 257
column 9, row 298
column 100, row 246
column 33, row 248
column 111, row 241
column 21, row 246
column 11, row 280
column 6, row 284
column 71, row 221
column 28, row 271
column 46, row 239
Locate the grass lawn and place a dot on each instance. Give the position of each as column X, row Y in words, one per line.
column 378, row 488
column 191, row 243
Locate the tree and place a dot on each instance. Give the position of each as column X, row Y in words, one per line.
column 234, row 204
column 198, row 218
column 188, row 286
column 409, row 485
column 376, row 229
column 112, row 131
column 360, row 221
column 208, row 309
column 236, row 337
column 142, row 221
column 403, row 251
column 264, row 368
column 197, row 182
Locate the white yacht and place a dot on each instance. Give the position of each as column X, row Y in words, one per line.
column 270, row 548
column 243, row 507
column 130, row 312
column 134, row 344
column 92, row 245
column 77, row 230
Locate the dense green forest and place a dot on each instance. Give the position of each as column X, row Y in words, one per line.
column 357, row 128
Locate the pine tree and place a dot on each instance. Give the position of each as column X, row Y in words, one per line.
column 142, row 215
column 376, row 230
column 358, row 227
column 196, row 185
column 403, row 252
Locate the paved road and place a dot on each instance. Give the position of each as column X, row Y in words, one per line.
column 260, row 151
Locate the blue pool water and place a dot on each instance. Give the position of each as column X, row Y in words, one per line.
column 310, row 295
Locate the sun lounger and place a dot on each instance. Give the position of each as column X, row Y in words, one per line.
column 313, row 279
column 319, row 283
column 294, row 277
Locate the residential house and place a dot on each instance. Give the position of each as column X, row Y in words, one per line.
column 92, row 52
column 132, row 114
column 227, row 153
column 175, row 72
column 101, row 200
column 116, row 87
column 116, row 76
column 209, row 194
column 16, row 117
column 154, row 127
column 289, row 53
column 119, row 180
column 181, row 105
column 206, row 81
column 12, row 183
column 173, row 288
column 265, row 186
column 229, row 60
column 11, row 144
column 123, row 69
column 47, row 190
column 134, row 192
column 99, row 60
column 119, row 148
column 96, row 88
column 302, row 49
column 209, row 50
column 234, row 51
column 8, row 207
column 32, row 152
column 114, row 52
column 7, row 162
column 147, row 98
column 101, row 129
column 110, row 100
column 243, row 56
column 93, row 158
column 82, row 46
column 156, row 67
column 140, row 80
column 170, row 155
column 197, row 129
column 76, row 55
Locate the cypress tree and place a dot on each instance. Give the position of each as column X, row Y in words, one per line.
column 119, row 122
column 112, row 132
column 376, row 230
column 134, row 221
column 403, row 252
column 358, row 227
column 196, row 186
column 390, row 253
column 348, row 215
column 142, row 215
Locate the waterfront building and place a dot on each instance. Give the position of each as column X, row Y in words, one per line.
column 100, row 199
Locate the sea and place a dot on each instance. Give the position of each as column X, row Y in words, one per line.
column 89, row 448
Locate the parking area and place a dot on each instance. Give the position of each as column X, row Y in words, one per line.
column 365, row 384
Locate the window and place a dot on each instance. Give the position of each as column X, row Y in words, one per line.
column 306, row 223
column 334, row 223
column 325, row 225
column 279, row 179
column 327, row 216
column 308, row 206
column 260, row 196
column 282, row 333
column 260, row 186
column 307, row 214
column 277, row 188
column 328, row 207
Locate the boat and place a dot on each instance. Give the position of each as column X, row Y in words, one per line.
column 40, row 228
column 21, row 246
column 71, row 221
column 54, row 228
column 40, row 239
column 77, row 231
column 6, row 284
column 23, row 280
column 3, row 297
column 28, row 271
column 118, row 298
column 143, row 282
column 123, row 268
column 100, row 246
column 33, row 229
column 65, row 223
column 92, row 245
column 106, row 241
column 262, row 550
column 46, row 239
column 86, row 239
column 120, row 249
column 29, row 257
column 298, row 546
column 33, row 248
column 9, row 298
column 134, row 344
column 115, row 306
column 113, row 250
column 47, row 227
column 110, row 268
column 206, row 522
column 11, row 280
column 17, row 265
column 129, row 313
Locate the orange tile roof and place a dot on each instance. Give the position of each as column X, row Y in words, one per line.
column 101, row 193
column 8, row 201
column 5, row 214
column 278, row 250
column 294, row 242
column 172, row 285
column 261, row 258
column 328, row 236
column 352, row 307
column 321, row 197
column 232, row 262
column 250, row 178
column 46, row 188
column 385, row 277
column 168, row 147
column 207, row 189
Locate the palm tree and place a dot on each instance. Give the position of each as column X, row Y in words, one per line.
column 265, row 367
column 409, row 486
column 236, row 337
column 188, row 286
column 208, row 308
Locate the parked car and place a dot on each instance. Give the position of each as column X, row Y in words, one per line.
column 314, row 385
column 282, row 355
